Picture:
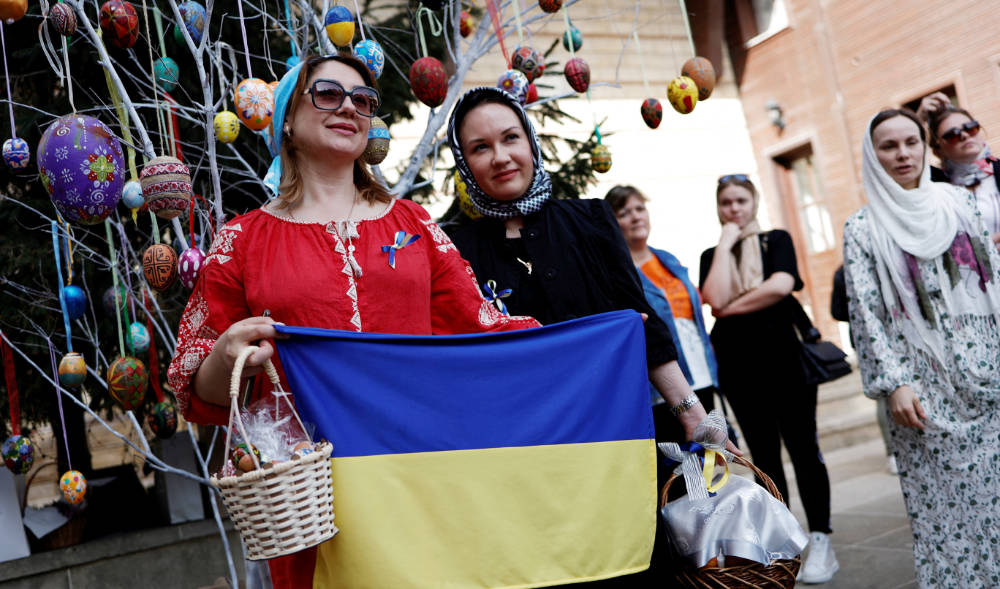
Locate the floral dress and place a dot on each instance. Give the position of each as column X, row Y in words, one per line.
column 949, row 472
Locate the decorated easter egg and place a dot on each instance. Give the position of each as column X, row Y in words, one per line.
column 464, row 200
column 76, row 301
column 120, row 23
column 303, row 449
column 159, row 266
column 189, row 265
column 700, row 70
column 378, row 142
column 528, row 61
column 273, row 85
column 515, row 83
column 132, row 194
column 227, row 126
column 370, row 52
column 682, row 94
column 166, row 73
column 16, row 153
column 652, row 112
column 531, row 94
column 339, row 23
column 62, row 18
column 12, row 10
column 577, row 73
column 429, row 81
column 193, row 19
column 127, row 381
column 73, row 486
column 166, row 186
column 254, row 103
column 600, row 158
column 550, row 5
column 466, row 23
column 572, row 36
column 18, row 454
column 241, row 456
column 72, row 370
column 81, row 166
column 138, row 335
column 162, row 419
column 113, row 303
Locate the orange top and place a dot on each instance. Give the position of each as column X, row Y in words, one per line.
column 673, row 288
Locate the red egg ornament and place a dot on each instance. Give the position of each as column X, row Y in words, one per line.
column 700, row 70
column 166, row 186
column 531, row 94
column 63, row 19
column 652, row 112
column 429, row 81
column 465, row 24
column 159, row 266
column 120, row 23
column 127, row 381
column 550, row 5
column 577, row 73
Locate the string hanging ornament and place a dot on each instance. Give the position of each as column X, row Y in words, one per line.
column 18, row 452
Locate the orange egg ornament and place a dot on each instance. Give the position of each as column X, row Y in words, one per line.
column 700, row 70
column 254, row 102
column 12, row 10
column 682, row 94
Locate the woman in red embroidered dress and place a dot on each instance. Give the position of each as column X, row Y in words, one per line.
column 314, row 257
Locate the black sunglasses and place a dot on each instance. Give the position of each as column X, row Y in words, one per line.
column 733, row 178
column 330, row 95
column 952, row 135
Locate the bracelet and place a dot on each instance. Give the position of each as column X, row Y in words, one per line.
column 688, row 402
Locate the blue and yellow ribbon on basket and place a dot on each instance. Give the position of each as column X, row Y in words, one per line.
column 697, row 459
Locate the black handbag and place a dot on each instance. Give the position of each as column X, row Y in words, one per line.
column 822, row 361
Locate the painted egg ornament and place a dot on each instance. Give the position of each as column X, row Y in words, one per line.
column 464, row 200
column 166, row 186
column 600, row 158
column 339, row 24
column 429, row 81
column 682, row 94
column 700, row 70
column 16, row 153
column 120, row 23
column 577, row 73
column 12, row 11
column 254, row 103
column 193, row 19
column 159, row 266
column 528, row 61
column 72, row 370
column 531, row 94
column 113, row 304
column 241, row 457
column 572, row 36
column 162, row 419
column 18, row 454
column 515, row 83
column 465, row 24
column 75, row 300
column 227, row 126
column 652, row 112
column 166, row 73
column 138, row 335
column 370, row 52
column 63, row 19
column 378, row 142
column 73, row 486
column 550, row 5
column 189, row 265
column 132, row 194
column 81, row 165
column 302, row 449
column 127, row 381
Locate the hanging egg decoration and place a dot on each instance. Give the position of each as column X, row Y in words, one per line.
column 572, row 36
column 682, row 94
column 139, row 337
column 162, row 419
column 75, row 300
column 550, row 5
column 18, row 454
column 63, row 19
column 514, row 83
column 339, row 24
column 429, row 81
column 378, row 142
column 166, row 73
column 159, row 266
column 531, row 94
column 16, row 153
column 700, row 71
column 113, row 303
column 527, row 61
column 652, row 112
column 227, row 126
column 577, row 73
column 189, row 265
column 242, row 456
column 600, row 158
column 72, row 370
column 193, row 19
column 370, row 52
column 120, row 23
column 12, row 11
column 73, row 486
column 127, row 381
column 464, row 200
column 254, row 103
column 81, row 165
column 465, row 24
column 166, row 186
column 132, row 194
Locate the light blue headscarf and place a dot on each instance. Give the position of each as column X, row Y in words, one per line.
column 282, row 96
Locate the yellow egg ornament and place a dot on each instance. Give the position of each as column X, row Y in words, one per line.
column 73, row 486
column 227, row 126
column 464, row 200
column 682, row 93
column 600, row 158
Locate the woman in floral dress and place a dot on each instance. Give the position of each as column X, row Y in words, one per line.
column 922, row 279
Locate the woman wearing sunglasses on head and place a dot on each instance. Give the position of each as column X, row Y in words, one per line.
column 748, row 281
column 317, row 256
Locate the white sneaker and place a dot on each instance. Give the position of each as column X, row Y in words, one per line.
column 821, row 564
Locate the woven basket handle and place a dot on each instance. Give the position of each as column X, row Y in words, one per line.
column 769, row 485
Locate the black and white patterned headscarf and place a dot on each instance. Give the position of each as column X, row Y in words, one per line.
column 541, row 185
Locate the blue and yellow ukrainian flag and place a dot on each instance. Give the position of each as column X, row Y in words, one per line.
column 517, row 459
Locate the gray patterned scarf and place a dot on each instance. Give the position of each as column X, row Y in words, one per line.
column 972, row 173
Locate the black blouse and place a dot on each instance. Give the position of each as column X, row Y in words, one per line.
column 570, row 261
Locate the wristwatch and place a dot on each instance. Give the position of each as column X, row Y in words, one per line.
column 688, row 402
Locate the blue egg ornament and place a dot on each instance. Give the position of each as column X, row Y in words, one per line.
column 193, row 18
column 166, row 73
column 162, row 419
column 18, row 454
column 139, row 336
column 515, row 83
column 339, row 24
column 371, row 53
column 113, row 304
column 572, row 36
column 132, row 194
column 16, row 153
column 75, row 300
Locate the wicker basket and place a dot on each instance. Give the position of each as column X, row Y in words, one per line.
column 283, row 508
column 780, row 573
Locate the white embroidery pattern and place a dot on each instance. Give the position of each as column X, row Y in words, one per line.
column 440, row 237
column 223, row 244
column 351, row 267
column 488, row 314
column 195, row 342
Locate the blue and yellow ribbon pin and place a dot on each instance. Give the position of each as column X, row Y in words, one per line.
column 403, row 239
column 494, row 296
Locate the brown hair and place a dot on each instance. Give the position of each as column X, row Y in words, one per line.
column 619, row 195
column 729, row 180
column 290, row 189
column 891, row 113
column 935, row 120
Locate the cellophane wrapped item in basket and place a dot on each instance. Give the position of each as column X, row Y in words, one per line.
column 725, row 515
column 275, row 436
